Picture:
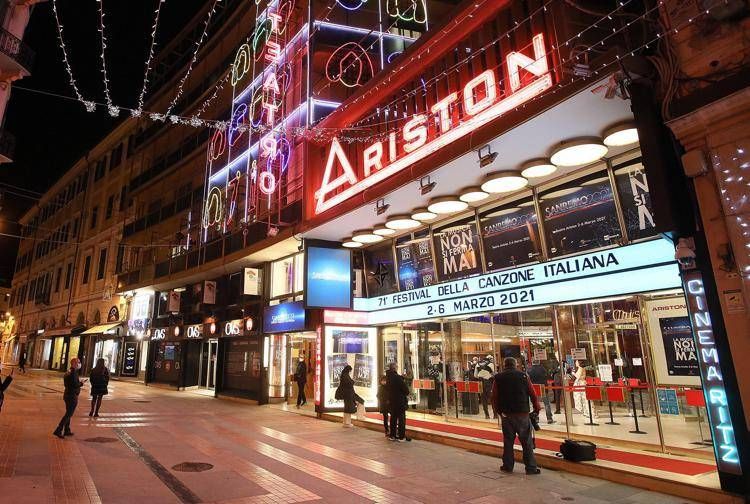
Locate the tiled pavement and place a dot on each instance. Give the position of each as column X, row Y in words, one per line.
column 258, row 455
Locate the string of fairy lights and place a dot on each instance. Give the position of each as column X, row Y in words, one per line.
column 359, row 131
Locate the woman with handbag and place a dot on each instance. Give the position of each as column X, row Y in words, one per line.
column 99, row 380
column 345, row 392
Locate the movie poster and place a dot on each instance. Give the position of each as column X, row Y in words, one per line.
column 580, row 217
column 390, row 353
column 635, row 198
column 510, row 236
column 679, row 346
column 336, row 364
column 457, row 250
column 415, row 266
column 363, row 369
column 380, row 270
column 347, row 341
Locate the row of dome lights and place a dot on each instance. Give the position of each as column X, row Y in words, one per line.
column 577, row 152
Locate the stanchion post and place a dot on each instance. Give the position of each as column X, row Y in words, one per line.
column 635, row 415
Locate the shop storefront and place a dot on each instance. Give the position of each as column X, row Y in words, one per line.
column 108, row 343
column 291, row 346
column 166, row 355
column 240, row 359
column 201, row 356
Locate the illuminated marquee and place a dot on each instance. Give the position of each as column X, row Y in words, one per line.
column 717, row 402
column 481, row 105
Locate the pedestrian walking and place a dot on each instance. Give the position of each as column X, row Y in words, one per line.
column 398, row 399
column 73, row 386
column 4, row 385
column 345, row 392
column 99, row 380
column 22, row 362
column 538, row 375
column 383, row 403
column 511, row 392
column 300, row 376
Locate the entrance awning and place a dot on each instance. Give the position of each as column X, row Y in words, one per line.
column 103, row 329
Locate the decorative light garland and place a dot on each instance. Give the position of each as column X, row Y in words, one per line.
column 198, row 44
column 111, row 108
column 151, row 53
column 89, row 105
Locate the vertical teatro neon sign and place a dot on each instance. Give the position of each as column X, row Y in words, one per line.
column 717, row 402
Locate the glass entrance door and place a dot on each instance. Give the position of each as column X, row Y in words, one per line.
column 211, row 348
column 300, row 348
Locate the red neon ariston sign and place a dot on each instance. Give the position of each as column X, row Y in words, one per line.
column 479, row 98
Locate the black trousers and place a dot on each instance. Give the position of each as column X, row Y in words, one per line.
column 301, row 399
column 398, row 424
column 386, row 421
column 71, row 403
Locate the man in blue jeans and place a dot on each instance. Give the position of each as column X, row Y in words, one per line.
column 511, row 392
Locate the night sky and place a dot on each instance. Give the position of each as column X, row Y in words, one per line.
column 53, row 133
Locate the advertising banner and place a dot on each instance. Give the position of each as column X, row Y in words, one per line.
column 336, row 363
column 209, row 292
column 173, row 302
column 328, row 277
column 580, row 217
column 510, row 236
column 364, row 367
column 416, row 268
column 457, row 250
column 356, row 347
column 635, row 199
column 251, row 282
column 669, row 325
column 380, row 270
column 284, row 317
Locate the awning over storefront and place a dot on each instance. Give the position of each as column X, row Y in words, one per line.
column 104, row 329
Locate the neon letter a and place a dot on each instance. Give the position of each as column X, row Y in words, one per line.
column 326, row 186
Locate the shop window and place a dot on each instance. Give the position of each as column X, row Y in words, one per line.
column 580, row 215
column 635, row 199
column 456, row 248
column 510, row 235
column 287, row 275
column 57, row 280
column 416, row 267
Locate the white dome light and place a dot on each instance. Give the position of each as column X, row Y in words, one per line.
column 503, row 182
column 473, row 194
column 366, row 236
column 401, row 222
column 383, row 231
column 578, row 152
column 621, row 134
column 537, row 168
column 447, row 205
column 423, row 215
column 352, row 244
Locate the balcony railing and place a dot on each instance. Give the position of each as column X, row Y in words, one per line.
column 14, row 47
column 7, row 144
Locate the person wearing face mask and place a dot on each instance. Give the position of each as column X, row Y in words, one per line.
column 300, row 376
column 73, row 386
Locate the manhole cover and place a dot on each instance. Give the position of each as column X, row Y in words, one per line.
column 567, row 498
column 192, row 467
column 142, row 401
column 101, row 440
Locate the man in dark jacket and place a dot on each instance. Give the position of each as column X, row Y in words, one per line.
column 511, row 394
column 300, row 376
column 4, row 385
column 72, row 388
column 398, row 399
column 538, row 376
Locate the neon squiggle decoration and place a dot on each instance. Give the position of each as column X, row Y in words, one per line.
column 241, row 64
column 263, row 31
column 238, row 120
column 350, row 65
column 412, row 13
column 281, row 155
column 217, row 146
column 267, row 183
column 285, row 11
column 232, row 192
column 257, row 112
column 351, row 5
column 214, row 209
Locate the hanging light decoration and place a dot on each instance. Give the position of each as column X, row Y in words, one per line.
column 401, row 222
column 503, row 182
column 579, row 151
column 536, row 168
column 472, row 194
column 446, row 205
column 621, row 134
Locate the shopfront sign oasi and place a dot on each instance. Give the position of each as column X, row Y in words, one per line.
column 194, row 331
column 237, row 327
column 482, row 102
column 635, row 268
